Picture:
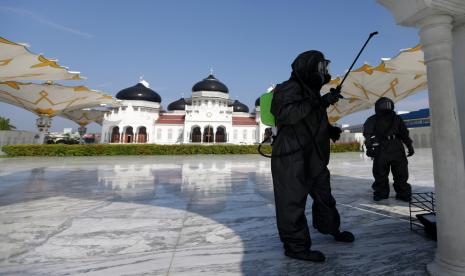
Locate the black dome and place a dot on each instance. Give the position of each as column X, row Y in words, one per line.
column 139, row 92
column 239, row 107
column 257, row 102
column 210, row 83
column 177, row 105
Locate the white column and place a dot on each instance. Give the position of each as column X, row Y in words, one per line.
column 103, row 135
column 435, row 19
column 449, row 168
column 458, row 56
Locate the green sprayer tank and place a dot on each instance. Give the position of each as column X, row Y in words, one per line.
column 265, row 109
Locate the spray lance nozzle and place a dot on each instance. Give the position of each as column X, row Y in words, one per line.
column 339, row 87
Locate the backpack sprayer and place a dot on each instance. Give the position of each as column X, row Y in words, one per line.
column 267, row 117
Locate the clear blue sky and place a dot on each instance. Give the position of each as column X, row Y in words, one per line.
column 249, row 44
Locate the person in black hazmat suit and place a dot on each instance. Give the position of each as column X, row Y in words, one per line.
column 387, row 130
column 301, row 155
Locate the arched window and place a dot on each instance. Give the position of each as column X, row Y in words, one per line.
column 142, row 135
column 244, row 134
column 114, row 138
column 128, row 136
column 196, row 135
column 208, row 134
column 159, row 134
column 170, row 134
column 235, row 133
column 220, row 135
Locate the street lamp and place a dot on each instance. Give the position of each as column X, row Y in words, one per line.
column 43, row 124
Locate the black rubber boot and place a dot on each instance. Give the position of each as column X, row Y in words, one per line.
column 404, row 198
column 307, row 255
column 344, row 236
column 379, row 198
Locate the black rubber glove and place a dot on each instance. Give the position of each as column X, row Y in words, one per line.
column 410, row 150
column 331, row 97
column 334, row 133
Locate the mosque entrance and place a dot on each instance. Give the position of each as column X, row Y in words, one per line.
column 208, row 134
column 114, row 138
column 196, row 136
column 220, row 136
column 128, row 135
column 142, row 135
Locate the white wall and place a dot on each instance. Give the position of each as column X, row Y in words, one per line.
column 14, row 137
column 169, row 134
column 243, row 135
column 421, row 137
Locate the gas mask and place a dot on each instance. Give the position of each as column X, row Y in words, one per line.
column 323, row 71
column 384, row 105
column 312, row 68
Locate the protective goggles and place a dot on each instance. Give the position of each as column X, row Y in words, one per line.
column 323, row 67
column 386, row 105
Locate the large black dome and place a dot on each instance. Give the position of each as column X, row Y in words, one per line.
column 177, row 105
column 210, row 83
column 139, row 92
column 240, row 107
column 257, row 102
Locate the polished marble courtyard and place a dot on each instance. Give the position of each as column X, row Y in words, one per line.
column 192, row 215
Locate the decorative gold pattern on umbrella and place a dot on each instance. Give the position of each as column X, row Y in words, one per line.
column 18, row 63
column 51, row 99
column 84, row 117
column 395, row 78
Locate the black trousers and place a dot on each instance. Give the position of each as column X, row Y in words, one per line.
column 292, row 183
column 394, row 161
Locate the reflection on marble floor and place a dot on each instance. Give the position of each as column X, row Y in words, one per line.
column 191, row 215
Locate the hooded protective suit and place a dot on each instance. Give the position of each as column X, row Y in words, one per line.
column 389, row 130
column 304, row 131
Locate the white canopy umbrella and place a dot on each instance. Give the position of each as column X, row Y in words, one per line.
column 51, row 99
column 395, row 78
column 48, row 100
column 18, row 63
column 85, row 116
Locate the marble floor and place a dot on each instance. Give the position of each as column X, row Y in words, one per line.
column 192, row 215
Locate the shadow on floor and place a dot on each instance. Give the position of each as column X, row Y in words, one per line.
column 234, row 192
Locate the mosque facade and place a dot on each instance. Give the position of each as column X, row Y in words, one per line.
column 209, row 116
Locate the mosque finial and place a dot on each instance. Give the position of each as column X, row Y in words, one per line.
column 211, row 71
column 144, row 82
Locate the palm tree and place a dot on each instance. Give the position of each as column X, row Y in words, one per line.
column 5, row 124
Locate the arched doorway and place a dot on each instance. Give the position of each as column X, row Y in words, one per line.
column 208, row 134
column 196, row 135
column 114, row 137
column 128, row 136
column 220, row 135
column 142, row 135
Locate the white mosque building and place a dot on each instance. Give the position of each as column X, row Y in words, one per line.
column 209, row 116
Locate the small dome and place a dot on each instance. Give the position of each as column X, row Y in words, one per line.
column 177, row 105
column 257, row 102
column 139, row 92
column 210, row 83
column 239, row 107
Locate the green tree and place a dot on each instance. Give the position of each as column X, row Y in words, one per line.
column 5, row 124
